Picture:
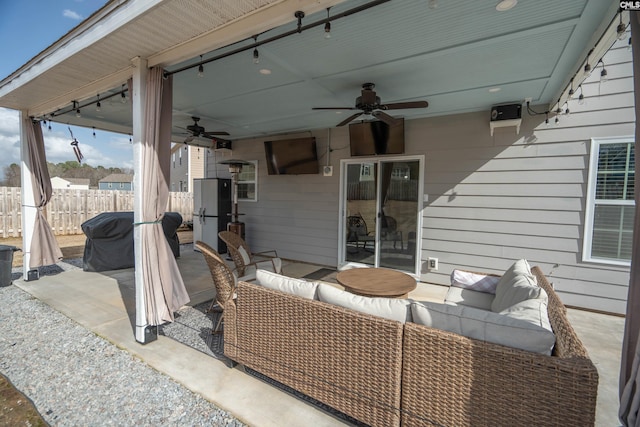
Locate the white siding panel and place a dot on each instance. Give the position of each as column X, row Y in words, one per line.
column 452, row 200
column 526, row 216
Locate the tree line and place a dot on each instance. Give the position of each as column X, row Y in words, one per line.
column 68, row 169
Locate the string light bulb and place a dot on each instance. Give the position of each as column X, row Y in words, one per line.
column 123, row 97
column 621, row 29
column 256, row 54
column 581, row 97
column 94, row 132
column 98, row 106
column 571, row 91
column 200, row 69
column 587, row 66
column 603, row 73
column 327, row 27
column 77, row 108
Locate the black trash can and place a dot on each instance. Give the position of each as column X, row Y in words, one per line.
column 6, row 259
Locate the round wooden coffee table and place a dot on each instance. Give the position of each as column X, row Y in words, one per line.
column 377, row 282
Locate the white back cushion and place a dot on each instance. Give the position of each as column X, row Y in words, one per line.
column 389, row 308
column 289, row 285
column 474, row 281
column 245, row 256
column 508, row 330
column 517, row 284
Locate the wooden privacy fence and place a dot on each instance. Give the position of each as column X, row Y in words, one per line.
column 68, row 209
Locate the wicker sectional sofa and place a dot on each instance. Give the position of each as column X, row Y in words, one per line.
column 386, row 372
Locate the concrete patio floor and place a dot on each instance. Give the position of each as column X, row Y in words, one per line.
column 104, row 303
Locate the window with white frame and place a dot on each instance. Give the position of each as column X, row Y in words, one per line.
column 610, row 201
column 248, row 182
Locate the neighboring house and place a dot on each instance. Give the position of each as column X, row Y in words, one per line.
column 116, row 181
column 484, row 201
column 187, row 164
column 70, row 183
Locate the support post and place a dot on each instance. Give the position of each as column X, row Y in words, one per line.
column 28, row 208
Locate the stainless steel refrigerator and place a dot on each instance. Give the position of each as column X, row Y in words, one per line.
column 212, row 210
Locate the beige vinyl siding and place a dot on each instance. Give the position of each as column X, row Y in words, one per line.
column 491, row 200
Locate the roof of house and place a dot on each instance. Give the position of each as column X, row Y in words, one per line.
column 117, row 177
column 78, row 181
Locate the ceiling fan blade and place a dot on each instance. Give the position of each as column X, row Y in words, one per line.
column 402, row 105
column 385, row 118
column 211, row 134
column 348, row 119
column 334, row 108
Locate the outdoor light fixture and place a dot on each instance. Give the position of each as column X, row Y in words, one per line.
column 299, row 14
column 327, row 27
column 505, row 5
column 201, row 68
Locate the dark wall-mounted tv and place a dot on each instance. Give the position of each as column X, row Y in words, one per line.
column 292, row 156
column 376, row 137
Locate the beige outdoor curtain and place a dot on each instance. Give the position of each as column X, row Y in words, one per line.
column 629, row 367
column 164, row 289
column 44, row 247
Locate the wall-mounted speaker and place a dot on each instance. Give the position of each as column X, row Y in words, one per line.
column 506, row 112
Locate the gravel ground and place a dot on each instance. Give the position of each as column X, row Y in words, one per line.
column 76, row 378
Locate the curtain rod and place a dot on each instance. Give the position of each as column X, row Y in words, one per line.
column 280, row 36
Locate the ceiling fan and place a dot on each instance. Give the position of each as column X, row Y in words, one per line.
column 370, row 104
column 195, row 131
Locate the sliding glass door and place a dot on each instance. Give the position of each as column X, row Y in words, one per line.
column 380, row 213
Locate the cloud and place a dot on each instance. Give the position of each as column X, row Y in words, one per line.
column 108, row 149
column 68, row 13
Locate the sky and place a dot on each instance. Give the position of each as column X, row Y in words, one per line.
column 27, row 27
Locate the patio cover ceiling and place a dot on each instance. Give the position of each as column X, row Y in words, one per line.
column 451, row 56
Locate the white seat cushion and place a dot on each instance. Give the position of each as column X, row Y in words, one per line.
column 289, row 285
column 510, row 329
column 389, row 308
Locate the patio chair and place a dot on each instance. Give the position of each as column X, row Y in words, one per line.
column 245, row 260
column 223, row 279
column 358, row 232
